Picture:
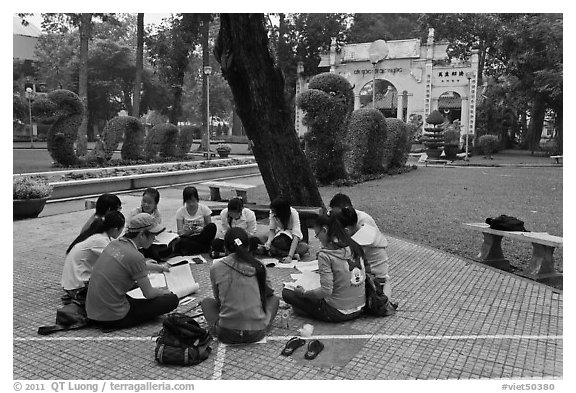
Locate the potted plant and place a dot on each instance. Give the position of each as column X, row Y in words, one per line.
column 223, row 150
column 433, row 137
column 452, row 140
column 30, row 196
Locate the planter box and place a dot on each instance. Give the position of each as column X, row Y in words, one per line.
column 76, row 188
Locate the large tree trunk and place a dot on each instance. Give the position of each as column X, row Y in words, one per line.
column 139, row 65
column 258, row 88
column 85, row 27
column 559, row 129
column 536, row 122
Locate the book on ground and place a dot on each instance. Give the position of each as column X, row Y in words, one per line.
column 307, row 280
column 179, row 280
column 165, row 238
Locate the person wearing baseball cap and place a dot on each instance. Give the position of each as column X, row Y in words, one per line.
column 118, row 268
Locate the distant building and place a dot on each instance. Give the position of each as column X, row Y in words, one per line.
column 25, row 39
column 411, row 81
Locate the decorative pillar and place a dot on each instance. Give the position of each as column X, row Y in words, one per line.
column 333, row 55
column 400, row 108
column 298, row 113
column 464, row 118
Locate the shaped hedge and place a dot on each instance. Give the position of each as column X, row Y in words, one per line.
column 365, row 141
column 66, row 107
column 398, row 144
column 185, row 140
column 327, row 104
column 169, row 137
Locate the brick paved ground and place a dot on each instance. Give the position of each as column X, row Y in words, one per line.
column 456, row 320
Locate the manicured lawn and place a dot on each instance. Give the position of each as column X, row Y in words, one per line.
column 428, row 205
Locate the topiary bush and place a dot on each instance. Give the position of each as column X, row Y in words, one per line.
column 327, row 104
column 152, row 142
column 185, row 139
column 112, row 134
column 168, row 139
column 365, row 141
column 66, row 107
column 488, row 144
column 398, row 143
column 132, row 148
column 433, row 137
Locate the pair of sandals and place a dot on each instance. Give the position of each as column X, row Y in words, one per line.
column 314, row 347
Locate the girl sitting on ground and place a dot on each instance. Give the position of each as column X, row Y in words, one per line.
column 373, row 243
column 82, row 254
column 195, row 227
column 104, row 204
column 116, row 271
column 236, row 216
column 149, row 204
column 341, row 295
column 285, row 234
column 244, row 305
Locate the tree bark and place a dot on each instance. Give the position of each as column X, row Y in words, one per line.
column 257, row 85
column 139, row 66
column 85, row 30
column 536, row 122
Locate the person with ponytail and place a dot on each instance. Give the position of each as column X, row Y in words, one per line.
column 341, row 295
column 83, row 252
column 236, row 215
column 244, row 304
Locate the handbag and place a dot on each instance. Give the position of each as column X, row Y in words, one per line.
column 69, row 317
column 377, row 303
column 506, row 223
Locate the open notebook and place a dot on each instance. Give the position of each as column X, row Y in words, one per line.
column 165, row 238
column 179, row 280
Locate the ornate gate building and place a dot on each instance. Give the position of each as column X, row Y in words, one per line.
column 411, row 80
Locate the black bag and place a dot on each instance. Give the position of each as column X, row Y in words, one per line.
column 377, row 304
column 69, row 317
column 182, row 341
column 506, row 223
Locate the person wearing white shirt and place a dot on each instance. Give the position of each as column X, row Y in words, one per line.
column 83, row 252
column 195, row 226
column 236, row 216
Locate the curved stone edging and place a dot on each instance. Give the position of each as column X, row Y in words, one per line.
column 76, row 188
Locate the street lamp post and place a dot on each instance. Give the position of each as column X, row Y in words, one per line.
column 29, row 94
column 207, row 72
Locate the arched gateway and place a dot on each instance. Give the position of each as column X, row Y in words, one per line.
column 411, row 81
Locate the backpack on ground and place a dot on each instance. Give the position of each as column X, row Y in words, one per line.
column 506, row 223
column 377, row 303
column 182, row 341
column 69, row 317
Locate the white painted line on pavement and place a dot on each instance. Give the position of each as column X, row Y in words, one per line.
column 219, row 362
column 325, row 337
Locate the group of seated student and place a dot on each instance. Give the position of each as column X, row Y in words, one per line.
column 244, row 304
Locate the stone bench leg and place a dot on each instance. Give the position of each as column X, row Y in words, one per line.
column 491, row 252
column 542, row 261
column 215, row 194
column 242, row 194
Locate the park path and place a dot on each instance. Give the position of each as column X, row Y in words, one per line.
column 456, row 320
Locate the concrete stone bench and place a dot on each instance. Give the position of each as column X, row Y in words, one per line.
column 438, row 162
column 241, row 189
column 558, row 159
column 307, row 215
column 541, row 265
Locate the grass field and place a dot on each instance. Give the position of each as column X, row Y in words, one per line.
column 429, row 204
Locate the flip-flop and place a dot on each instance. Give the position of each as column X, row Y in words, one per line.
column 314, row 348
column 292, row 344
